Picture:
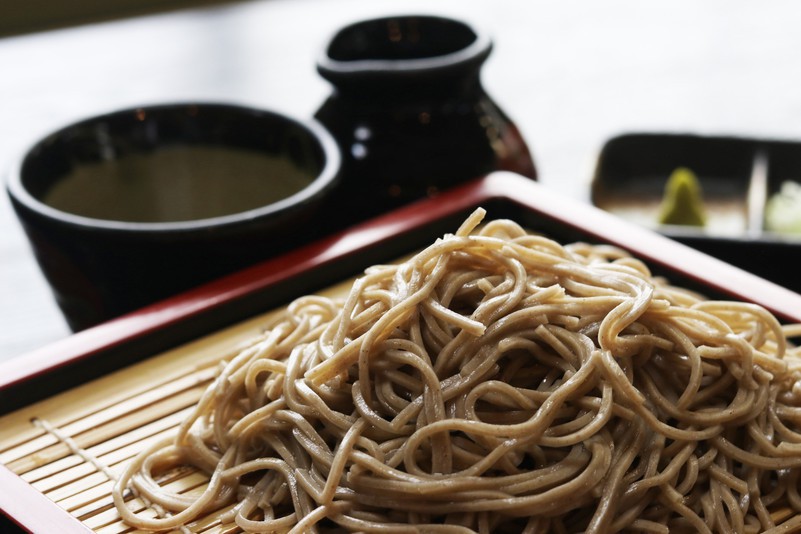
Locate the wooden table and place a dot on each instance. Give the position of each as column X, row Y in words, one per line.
column 570, row 74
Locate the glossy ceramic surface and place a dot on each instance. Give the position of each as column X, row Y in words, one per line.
column 101, row 268
column 410, row 113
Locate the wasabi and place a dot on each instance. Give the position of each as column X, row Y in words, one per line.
column 683, row 201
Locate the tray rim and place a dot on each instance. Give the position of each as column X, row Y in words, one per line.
column 531, row 196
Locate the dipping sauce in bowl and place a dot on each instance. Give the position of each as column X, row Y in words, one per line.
column 179, row 183
column 130, row 207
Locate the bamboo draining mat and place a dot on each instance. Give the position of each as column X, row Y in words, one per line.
column 71, row 447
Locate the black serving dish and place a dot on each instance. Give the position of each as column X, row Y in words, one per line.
column 737, row 175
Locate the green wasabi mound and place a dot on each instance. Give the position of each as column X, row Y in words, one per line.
column 683, row 202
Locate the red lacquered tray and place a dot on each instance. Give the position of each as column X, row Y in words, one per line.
column 101, row 350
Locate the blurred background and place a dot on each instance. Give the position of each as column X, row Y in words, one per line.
column 570, row 74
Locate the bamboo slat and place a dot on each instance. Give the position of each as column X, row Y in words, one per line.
column 113, row 447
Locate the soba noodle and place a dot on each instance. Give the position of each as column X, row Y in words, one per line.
column 495, row 382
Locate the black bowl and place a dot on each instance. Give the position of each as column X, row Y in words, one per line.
column 127, row 208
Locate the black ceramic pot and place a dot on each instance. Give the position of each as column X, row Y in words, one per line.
column 410, row 114
column 127, row 208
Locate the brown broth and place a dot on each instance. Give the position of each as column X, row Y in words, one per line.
column 178, row 183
